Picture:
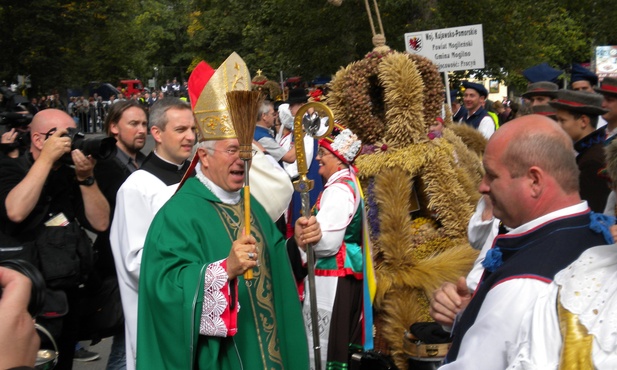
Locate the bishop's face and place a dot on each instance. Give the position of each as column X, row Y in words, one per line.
column 223, row 165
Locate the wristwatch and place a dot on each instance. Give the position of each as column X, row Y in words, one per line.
column 88, row 181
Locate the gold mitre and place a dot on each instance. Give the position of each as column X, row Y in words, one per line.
column 213, row 120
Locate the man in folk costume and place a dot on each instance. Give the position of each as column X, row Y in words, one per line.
column 582, row 79
column 532, row 181
column 608, row 89
column 338, row 267
column 196, row 311
column 459, row 111
column 572, row 325
column 477, row 117
column 265, row 137
column 540, row 93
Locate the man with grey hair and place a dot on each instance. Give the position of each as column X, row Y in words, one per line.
column 531, row 178
column 142, row 195
column 263, row 135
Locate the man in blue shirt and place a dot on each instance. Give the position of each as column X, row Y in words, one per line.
column 263, row 135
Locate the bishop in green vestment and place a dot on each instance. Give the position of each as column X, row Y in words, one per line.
column 195, row 310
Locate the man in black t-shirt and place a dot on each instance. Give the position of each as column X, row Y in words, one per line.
column 40, row 190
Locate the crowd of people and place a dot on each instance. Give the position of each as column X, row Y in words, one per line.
column 171, row 251
column 89, row 111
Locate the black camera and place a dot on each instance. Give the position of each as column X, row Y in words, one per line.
column 21, row 142
column 15, row 110
column 15, row 119
column 100, row 148
column 37, row 295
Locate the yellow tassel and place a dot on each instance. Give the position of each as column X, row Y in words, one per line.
column 577, row 342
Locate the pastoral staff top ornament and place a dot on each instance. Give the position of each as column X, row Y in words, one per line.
column 311, row 118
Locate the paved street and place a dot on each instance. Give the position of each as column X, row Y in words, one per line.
column 101, row 348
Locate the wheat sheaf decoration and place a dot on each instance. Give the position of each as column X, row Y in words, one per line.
column 421, row 193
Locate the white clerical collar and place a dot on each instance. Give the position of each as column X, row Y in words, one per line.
column 225, row 196
column 165, row 160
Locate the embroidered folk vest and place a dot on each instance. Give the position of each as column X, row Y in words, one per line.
column 348, row 260
column 537, row 254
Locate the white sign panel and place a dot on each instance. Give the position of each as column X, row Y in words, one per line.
column 606, row 61
column 452, row 49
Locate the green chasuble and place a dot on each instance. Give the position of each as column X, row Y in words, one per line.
column 192, row 230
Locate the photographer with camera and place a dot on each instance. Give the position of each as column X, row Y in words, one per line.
column 19, row 341
column 45, row 203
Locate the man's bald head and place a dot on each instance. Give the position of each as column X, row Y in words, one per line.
column 47, row 119
column 530, row 170
column 535, row 140
column 42, row 123
column 532, row 124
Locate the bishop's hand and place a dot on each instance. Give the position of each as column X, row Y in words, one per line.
column 243, row 256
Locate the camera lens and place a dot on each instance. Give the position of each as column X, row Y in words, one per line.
column 37, row 296
column 99, row 148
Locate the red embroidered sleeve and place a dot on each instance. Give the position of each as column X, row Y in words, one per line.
column 219, row 314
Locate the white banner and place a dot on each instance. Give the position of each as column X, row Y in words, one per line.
column 606, row 61
column 452, row 49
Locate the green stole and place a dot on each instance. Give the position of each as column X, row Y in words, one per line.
column 256, row 298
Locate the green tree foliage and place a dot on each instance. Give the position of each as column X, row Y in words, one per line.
column 301, row 37
column 161, row 26
column 66, row 43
